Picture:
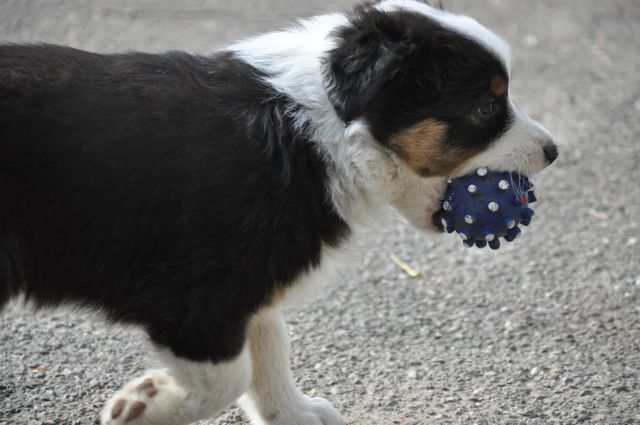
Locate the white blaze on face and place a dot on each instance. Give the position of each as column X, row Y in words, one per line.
column 459, row 23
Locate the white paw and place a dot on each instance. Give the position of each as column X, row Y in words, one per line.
column 324, row 411
column 312, row 411
column 153, row 399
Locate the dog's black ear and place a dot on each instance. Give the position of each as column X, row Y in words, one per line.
column 372, row 49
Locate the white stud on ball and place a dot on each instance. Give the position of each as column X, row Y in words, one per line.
column 469, row 219
column 482, row 172
column 472, row 188
column 503, row 184
column 447, row 206
column 493, row 206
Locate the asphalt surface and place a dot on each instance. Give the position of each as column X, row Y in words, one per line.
column 545, row 331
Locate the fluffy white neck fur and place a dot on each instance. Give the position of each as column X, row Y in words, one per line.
column 293, row 59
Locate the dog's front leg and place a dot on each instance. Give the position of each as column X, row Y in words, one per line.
column 272, row 398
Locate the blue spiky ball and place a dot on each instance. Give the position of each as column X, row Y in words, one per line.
column 486, row 206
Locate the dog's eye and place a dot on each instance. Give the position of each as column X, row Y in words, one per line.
column 487, row 109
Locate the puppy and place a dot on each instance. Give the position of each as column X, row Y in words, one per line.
column 193, row 195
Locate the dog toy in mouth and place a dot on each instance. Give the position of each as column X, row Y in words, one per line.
column 486, row 206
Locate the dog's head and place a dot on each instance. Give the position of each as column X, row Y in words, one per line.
column 432, row 90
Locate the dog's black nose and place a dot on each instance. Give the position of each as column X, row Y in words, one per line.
column 551, row 152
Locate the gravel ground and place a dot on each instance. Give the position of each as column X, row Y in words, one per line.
column 546, row 331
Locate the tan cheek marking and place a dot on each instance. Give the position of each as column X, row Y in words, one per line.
column 499, row 86
column 422, row 147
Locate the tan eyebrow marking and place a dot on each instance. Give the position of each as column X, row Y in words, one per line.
column 499, row 86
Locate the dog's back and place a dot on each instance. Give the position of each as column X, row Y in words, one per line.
column 139, row 182
column 90, row 169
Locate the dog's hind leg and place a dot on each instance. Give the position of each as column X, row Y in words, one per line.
column 272, row 398
column 182, row 393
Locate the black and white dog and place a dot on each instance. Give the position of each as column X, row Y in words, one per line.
column 193, row 195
